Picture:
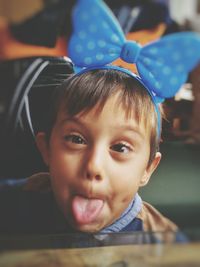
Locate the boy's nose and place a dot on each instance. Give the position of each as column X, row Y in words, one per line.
column 94, row 167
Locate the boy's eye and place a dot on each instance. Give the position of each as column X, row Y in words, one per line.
column 76, row 139
column 121, row 148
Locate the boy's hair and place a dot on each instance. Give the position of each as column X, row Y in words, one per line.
column 80, row 93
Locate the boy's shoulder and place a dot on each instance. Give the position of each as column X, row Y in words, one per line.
column 154, row 221
column 39, row 182
column 163, row 229
column 26, row 205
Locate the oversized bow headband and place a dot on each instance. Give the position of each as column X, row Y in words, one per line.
column 98, row 40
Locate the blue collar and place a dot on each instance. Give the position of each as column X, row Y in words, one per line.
column 127, row 216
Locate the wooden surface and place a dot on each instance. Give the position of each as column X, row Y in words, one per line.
column 180, row 255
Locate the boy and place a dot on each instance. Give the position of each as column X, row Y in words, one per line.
column 100, row 148
column 101, row 141
column 100, row 145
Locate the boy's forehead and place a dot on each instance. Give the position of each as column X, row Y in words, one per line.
column 112, row 111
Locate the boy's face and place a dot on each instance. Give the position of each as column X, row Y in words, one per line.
column 97, row 162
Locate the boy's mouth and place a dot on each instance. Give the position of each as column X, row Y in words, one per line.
column 86, row 210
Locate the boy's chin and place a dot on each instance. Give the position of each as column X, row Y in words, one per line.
column 88, row 228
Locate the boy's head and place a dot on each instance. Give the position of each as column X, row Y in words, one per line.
column 100, row 146
column 80, row 93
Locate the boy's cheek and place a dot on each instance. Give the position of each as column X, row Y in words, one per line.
column 62, row 190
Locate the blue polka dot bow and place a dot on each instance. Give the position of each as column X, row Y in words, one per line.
column 98, row 39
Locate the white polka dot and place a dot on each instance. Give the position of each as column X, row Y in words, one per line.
column 84, row 16
column 101, row 43
column 78, row 48
column 87, row 60
column 186, row 42
column 176, row 56
column 114, row 38
column 94, row 10
column 151, row 76
column 158, row 85
column 180, row 68
column 112, row 52
column 99, row 56
column 82, row 34
column 159, row 62
column 147, row 61
column 169, row 45
column 92, row 28
column 153, row 51
column 105, row 25
column 174, row 80
column 189, row 53
column 90, row 45
column 166, row 70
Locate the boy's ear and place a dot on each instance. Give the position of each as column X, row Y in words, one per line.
column 42, row 145
column 150, row 169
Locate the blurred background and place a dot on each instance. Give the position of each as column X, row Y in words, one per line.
column 33, row 61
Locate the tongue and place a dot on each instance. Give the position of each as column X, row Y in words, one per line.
column 86, row 210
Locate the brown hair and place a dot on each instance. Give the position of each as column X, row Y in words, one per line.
column 80, row 93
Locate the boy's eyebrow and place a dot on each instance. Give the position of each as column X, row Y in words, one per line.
column 130, row 128
column 123, row 127
column 73, row 120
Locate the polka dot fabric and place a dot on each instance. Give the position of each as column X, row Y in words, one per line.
column 162, row 65
column 88, row 46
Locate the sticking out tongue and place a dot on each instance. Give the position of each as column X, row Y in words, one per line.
column 86, row 210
